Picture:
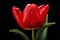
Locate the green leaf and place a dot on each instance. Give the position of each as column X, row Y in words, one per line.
column 20, row 33
column 49, row 24
column 42, row 32
column 39, row 33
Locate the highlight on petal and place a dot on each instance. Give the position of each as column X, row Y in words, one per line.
column 41, row 6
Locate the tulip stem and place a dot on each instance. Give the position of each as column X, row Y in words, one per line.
column 32, row 34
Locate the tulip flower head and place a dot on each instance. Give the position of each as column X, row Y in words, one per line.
column 33, row 16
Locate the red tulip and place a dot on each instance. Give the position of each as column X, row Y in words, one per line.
column 33, row 16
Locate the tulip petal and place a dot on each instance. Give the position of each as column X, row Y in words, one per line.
column 35, row 20
column 43, row 12
column 30, row 18
column 26, row 11
column 39, row 9
column 27, row 16
column 17, row 12
column 41, row 6
column 18, row 15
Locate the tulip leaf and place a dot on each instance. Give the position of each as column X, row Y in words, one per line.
column 20, row 33
column 42, row 32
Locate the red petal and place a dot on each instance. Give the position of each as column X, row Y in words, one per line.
column 18, row 15
column 27, row 16
column 30, row 18
column 35, row 20
column 41, row 6
column 43, row 12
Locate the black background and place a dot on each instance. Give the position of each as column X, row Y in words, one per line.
column 8, row 22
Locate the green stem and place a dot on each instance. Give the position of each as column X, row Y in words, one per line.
column 33, row 34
